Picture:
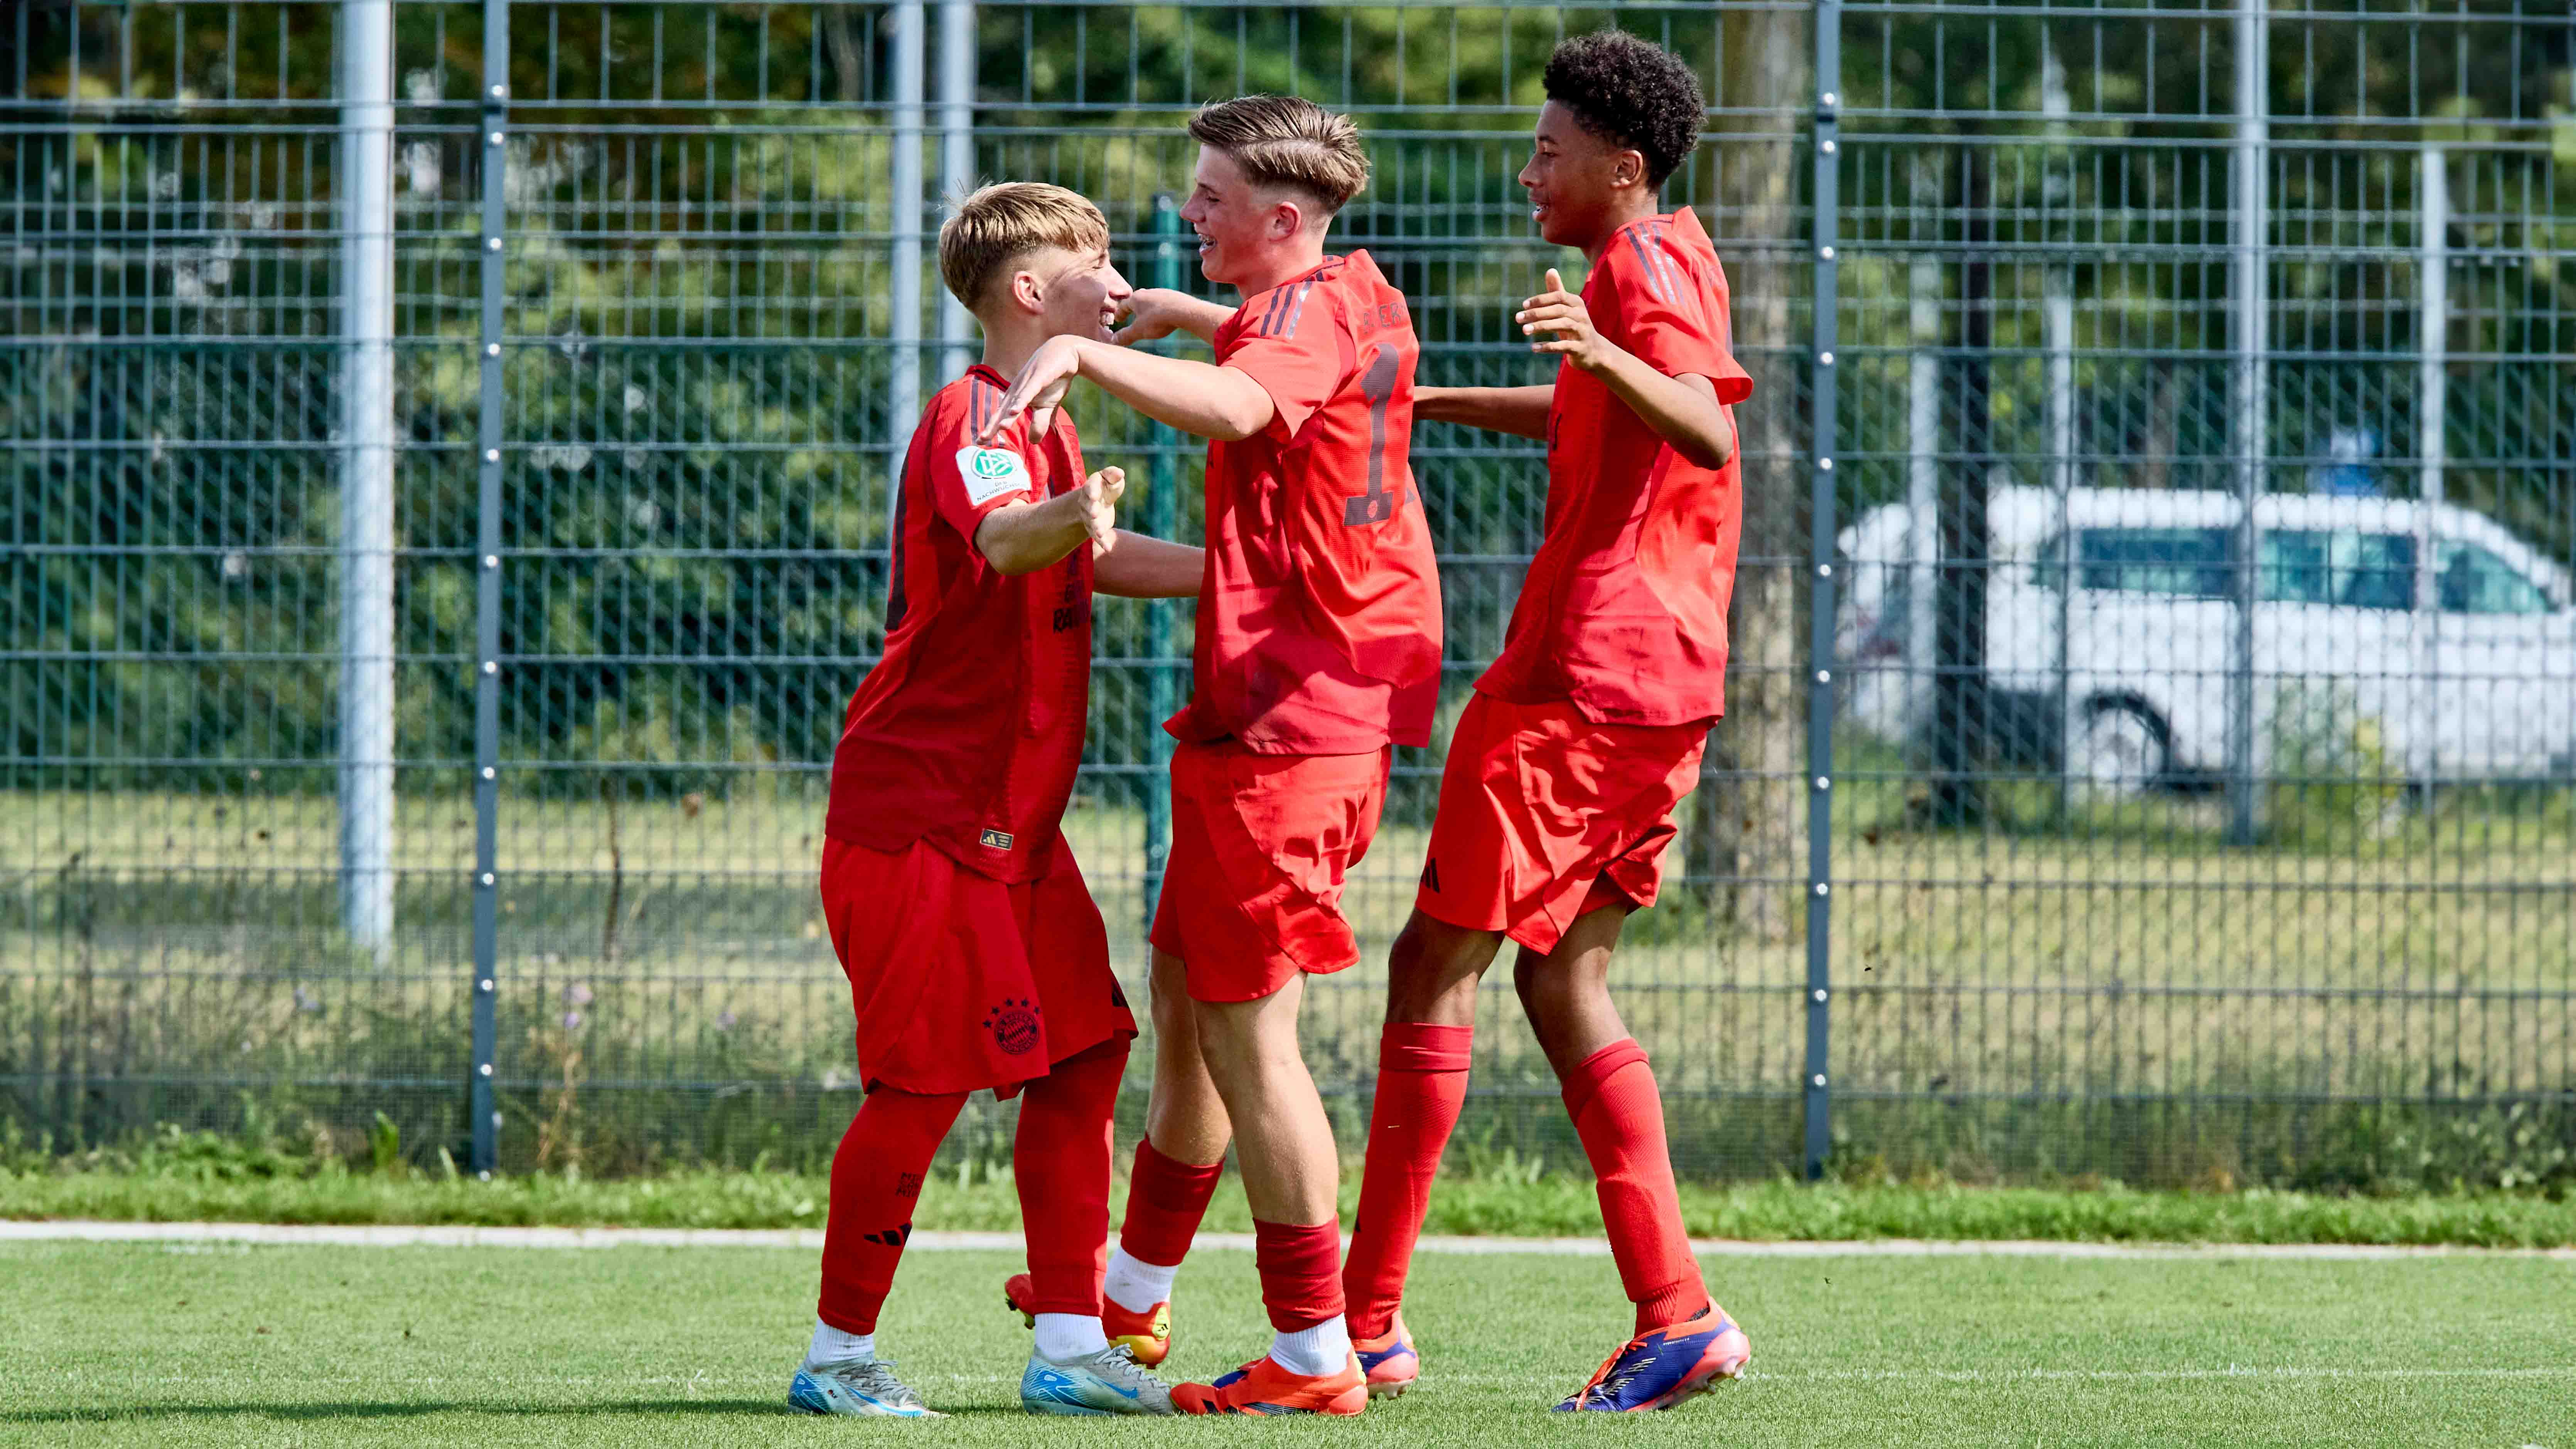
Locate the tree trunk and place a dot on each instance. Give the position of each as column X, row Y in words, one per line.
column 1747, row 824
column 1959, row 714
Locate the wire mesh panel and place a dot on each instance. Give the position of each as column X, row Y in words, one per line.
column 2198, row 793
column 714, row 356
column 176, row 384
column 2212, row 685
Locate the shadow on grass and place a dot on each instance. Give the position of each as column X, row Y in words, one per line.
column 407, row 1409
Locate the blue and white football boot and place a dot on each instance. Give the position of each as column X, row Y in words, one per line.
column 1107, row 1382
column 864, row 1387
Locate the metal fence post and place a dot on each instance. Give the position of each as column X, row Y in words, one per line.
column 956, row 165
column 2057, row 331
column 367, row 475
column 1820, row 635
column 903, row 290
column 1162, row 512
column 485, row 1117
column 2249, row 299
column 2432, row 400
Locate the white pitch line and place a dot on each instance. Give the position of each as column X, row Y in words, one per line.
column 379, row 1235
column 2230, row 1371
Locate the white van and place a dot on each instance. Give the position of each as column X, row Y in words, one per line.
column 2467, row 671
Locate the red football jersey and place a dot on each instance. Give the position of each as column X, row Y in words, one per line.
column 968, row 731
column 1319, row 612
column 1624, row 609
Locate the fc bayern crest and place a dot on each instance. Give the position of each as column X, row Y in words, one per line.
column 1014, row 1025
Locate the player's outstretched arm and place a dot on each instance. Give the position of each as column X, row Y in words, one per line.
column 1195, row 397
column 1519, row 411
column 1683, row 411
column 1157, row 312
column 1021, row 538
column 1145, row 567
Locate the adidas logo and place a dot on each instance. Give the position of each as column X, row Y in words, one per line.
column 891, row 1237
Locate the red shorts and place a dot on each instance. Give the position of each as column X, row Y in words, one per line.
column 1260, row 844
column 1545, row 815
column 962, row 982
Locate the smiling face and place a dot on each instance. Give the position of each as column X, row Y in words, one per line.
column 1076, row 294
column 1239, row 224
column 1577, row 180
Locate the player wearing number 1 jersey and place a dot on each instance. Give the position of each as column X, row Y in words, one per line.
column 1318, row 649
column 1557, row 799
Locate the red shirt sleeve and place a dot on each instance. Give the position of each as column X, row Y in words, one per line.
column 1289, row 348
column 1670, row 313
column 968, row 482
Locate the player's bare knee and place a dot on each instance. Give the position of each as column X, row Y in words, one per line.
column 1433, row 970
column 1552, row 983
column 1169, row 1003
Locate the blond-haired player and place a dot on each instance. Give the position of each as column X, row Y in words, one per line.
column 975, row 955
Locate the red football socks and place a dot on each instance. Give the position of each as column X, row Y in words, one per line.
column 1620, row 1116
column 876, row 1179
column 1421, row 1084
column 1301, row 1272
column 1060, row 1161
column 1165, row 1200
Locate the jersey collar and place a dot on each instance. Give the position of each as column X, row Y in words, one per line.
column 1359, row 262
column 1684, row 222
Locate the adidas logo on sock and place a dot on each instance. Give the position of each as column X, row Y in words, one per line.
column 894, row 1237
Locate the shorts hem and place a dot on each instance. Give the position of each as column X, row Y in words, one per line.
column 1441, row 909
column 1005, row 1088
column 1278, row 981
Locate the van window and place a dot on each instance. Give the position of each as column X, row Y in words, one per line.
column 2470, row 580
column 2184, row 562
column 2339, row 566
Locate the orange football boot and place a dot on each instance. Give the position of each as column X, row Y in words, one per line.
column 1265, row 1387
column 1148, row 1335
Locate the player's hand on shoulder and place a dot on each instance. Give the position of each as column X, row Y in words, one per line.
column 1100, row 494
column 1561, row 324
column 1042, row 379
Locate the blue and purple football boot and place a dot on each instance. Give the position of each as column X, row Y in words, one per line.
column 1664, row 1366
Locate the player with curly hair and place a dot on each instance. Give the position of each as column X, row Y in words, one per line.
column 1557, row 800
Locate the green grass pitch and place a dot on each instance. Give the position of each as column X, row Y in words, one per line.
column 134, row 1344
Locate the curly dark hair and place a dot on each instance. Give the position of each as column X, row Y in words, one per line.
column 1630, row 91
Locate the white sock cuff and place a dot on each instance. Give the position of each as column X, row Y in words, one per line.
column 1065, row 1337
column 831, row 1345
column 1136, row 1285
column 1322, row 1349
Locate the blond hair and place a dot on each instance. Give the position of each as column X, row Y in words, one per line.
column 1000, row 224
column 1289, row 144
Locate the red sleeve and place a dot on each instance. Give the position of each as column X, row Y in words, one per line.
column 1288, row 347
column 1673, row 315
column 967, row 482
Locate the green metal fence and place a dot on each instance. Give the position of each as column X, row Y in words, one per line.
column 448, row 451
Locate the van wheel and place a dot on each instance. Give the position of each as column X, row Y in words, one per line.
column 2119, row 751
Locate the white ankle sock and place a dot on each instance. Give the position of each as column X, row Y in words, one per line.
column 831, row 1345
column 1137, row 1286
column 1065, row 1337
column 1322, row 1349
